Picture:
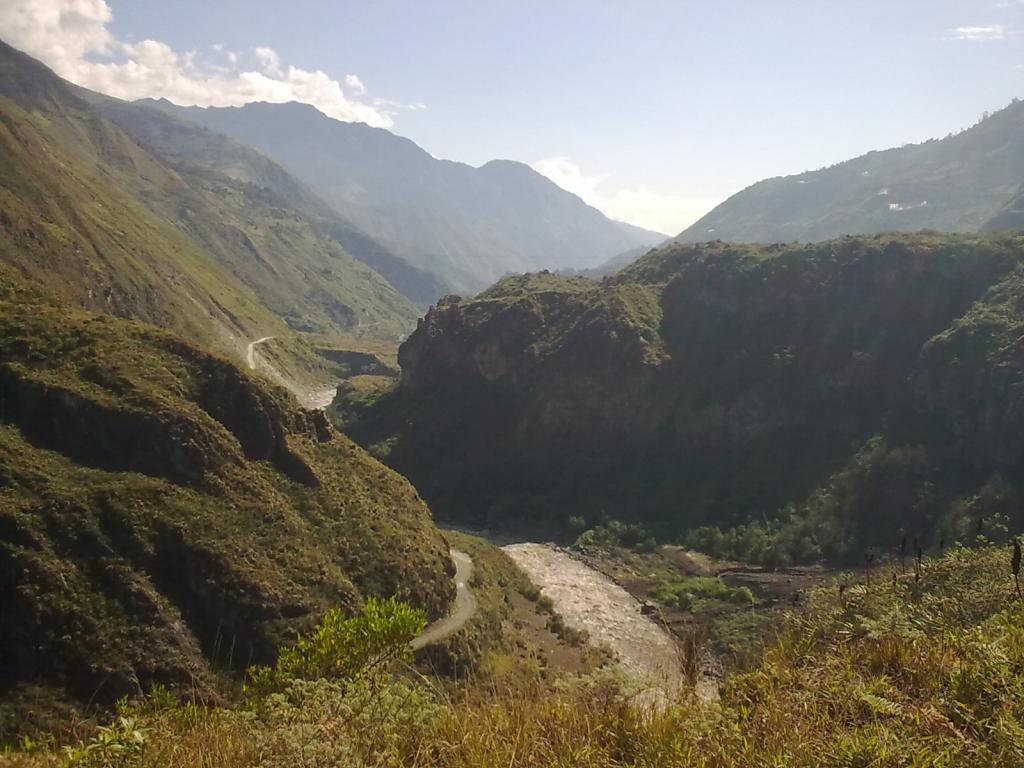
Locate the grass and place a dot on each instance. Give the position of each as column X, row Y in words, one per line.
column 495, row 579
column 166, row 518
column 926, row 673
column 143, row 229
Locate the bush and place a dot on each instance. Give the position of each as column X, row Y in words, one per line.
column 692, row 593
column 918, row 674
column 344, row 648
column 614, row 535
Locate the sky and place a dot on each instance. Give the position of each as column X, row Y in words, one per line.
column 653, row 111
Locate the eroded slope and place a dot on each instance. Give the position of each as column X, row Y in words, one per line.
column 166, row 518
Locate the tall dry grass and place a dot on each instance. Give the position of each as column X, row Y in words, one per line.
column 918, row 673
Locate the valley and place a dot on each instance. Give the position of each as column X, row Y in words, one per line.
column 770, row 404
column 320, row 449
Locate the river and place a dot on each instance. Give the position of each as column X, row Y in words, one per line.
column 591, row 601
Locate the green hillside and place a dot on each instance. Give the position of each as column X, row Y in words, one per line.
column 1010, row 217
column 196, row 152
column 809, row 401
column 165, row 518
column 92, row 216
column 467, row 225
column 69, row 231
column 955, row 184
column 909, row 672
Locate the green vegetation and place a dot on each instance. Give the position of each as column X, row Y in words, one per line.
column 145, row 223
column 344, row 648
column 776, row 404
column 955, row 184
column 357, row 395
column 694, row 593
column 261, row 225
column 192, row 148
column 740, row 634
column 614, row 535
column 167, row 519
column 496, row 579
column 914, row 674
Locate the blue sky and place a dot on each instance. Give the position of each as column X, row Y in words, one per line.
column 654, row 111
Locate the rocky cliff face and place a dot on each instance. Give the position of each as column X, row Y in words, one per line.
column 164, row 517
column 711, row 384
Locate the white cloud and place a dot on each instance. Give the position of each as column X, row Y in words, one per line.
column 986, row 34
column 73, row 38
column 669, row 214
column 354, row 84
column 269, row 61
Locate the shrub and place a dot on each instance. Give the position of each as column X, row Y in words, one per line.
column 614, row 535
column 344, row 648
column 118, row 744
column 691, row 593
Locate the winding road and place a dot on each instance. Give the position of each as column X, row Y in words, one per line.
column 587, row 600
column 465, row 600
column 462, row 611
column 311, row 399
column 250, row 353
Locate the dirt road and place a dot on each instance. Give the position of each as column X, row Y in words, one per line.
column 462, row 611
column 250, row 352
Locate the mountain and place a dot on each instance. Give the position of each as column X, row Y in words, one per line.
column 841, row 391
column 955, row 184
column 468, row 225
column 193, row 149
column 166, row 518
column 1010, row 217
column 71, row 232
column 615, row 263
column 112, row 224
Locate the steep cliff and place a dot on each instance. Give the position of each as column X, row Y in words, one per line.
column 867, row 384
column 164, row 517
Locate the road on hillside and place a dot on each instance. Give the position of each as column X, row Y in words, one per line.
column 250, row 355
column 463, row 610
column 311, row 399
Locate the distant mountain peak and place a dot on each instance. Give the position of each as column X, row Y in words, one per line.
column 467, row 225
column 954, row 184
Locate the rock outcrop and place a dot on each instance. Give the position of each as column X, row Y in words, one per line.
column 167, row 518
column 717, row 384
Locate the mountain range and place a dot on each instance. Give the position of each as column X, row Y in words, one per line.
column 166, row 517
column 114, row 223
column 468, row 225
